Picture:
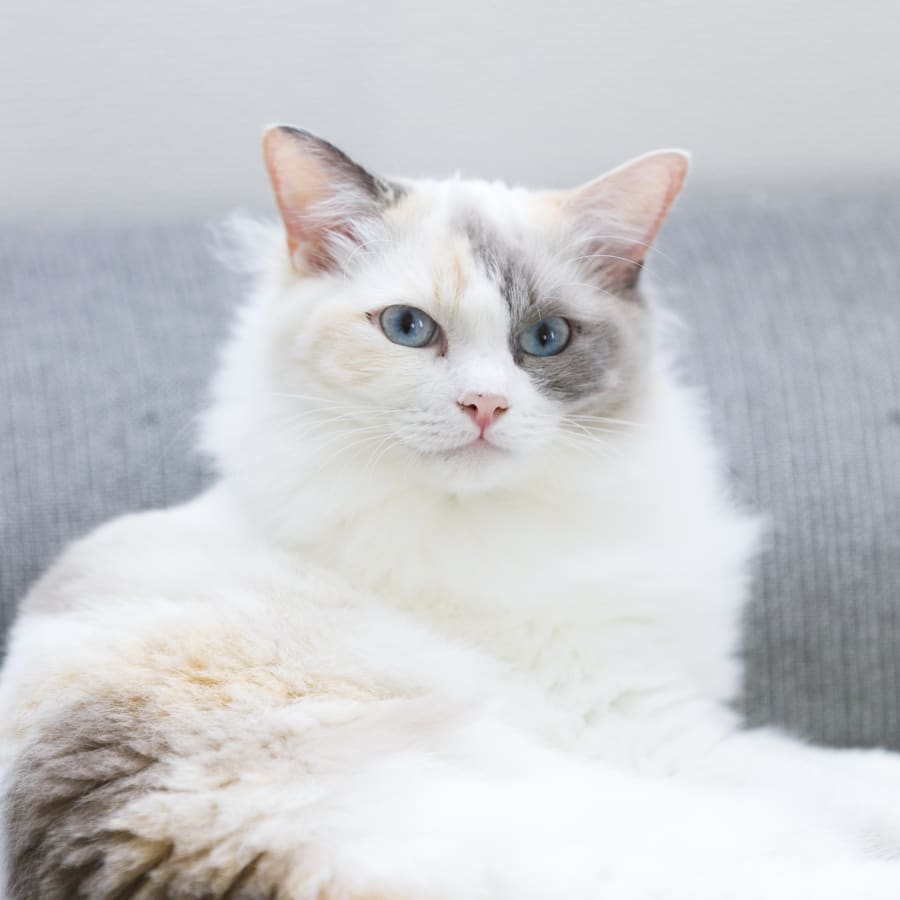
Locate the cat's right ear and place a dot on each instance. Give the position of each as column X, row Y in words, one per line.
column 326, row 200
column 616, row 217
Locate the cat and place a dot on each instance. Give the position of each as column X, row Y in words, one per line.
column 459, row 618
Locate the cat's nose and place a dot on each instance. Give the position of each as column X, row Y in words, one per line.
column 483, row 408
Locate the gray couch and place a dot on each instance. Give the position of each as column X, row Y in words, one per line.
column 107, row 336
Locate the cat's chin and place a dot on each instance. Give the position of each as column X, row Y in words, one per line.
column 472, row 467
column 474, row 451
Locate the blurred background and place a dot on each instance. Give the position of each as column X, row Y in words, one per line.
column 152, row 110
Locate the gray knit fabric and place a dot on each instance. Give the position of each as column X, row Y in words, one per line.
column 793, row 306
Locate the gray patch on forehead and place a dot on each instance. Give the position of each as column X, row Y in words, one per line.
column 598, row 362
column 505, row 265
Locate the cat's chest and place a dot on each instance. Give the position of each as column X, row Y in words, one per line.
column 605, row 681
column 557, row 603
column 457, row 566
column 587, row 614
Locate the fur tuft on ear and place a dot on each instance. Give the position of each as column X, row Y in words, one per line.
column 327, row 202
column 615, row 218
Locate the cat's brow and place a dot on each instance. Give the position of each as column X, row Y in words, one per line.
column 503, row 264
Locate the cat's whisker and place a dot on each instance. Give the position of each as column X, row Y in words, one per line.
column 363, row 415
column 625, row 259
column 586, row 438
column 593, row 287
column 386, row 445
column 586, row 441
column 328, row 401
column 366, row 440
column 330, row 458
column 294, row 396
column 309, row 454
column 598, row 452
column 621, row 238
column 364, row 249
column 312, row 426
column 594, row 434
column 368, row 410
column 323, row 442
column 605, row 420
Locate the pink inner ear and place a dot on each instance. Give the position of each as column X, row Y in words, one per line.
column 311, row 243
column 298, row 181
column 616, row 217
column 318, row 198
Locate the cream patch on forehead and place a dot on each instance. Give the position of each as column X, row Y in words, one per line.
column 451, row 274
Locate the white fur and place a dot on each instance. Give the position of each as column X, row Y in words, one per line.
column 507, row 673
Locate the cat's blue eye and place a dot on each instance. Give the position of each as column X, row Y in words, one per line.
column 547, row 337
column 408, row 326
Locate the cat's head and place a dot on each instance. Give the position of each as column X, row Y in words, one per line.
column 457, row 328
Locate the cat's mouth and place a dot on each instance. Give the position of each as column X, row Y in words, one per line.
column 478, row 448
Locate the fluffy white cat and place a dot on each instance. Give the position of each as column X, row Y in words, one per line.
column 458, row 619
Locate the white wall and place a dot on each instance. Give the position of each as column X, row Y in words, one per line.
column 130, row 109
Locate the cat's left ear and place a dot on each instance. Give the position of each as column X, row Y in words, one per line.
column 328, row 203
column 614, row 219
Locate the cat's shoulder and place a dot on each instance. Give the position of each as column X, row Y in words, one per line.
column 153, row 551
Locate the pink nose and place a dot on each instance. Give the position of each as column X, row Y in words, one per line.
column 483, row 408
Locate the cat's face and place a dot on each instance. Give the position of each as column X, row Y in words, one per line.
column 460, row 327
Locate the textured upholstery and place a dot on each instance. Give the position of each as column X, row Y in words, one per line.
column 107, row 336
